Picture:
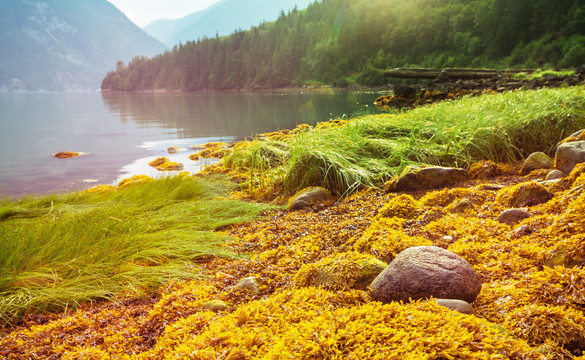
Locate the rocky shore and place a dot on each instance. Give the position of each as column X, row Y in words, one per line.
column 448, row 85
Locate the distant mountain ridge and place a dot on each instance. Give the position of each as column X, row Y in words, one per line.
column 64, row 45
column 221, row 18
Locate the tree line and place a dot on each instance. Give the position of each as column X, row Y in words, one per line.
column 342, row 42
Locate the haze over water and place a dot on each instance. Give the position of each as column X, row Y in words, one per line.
column 122, row 132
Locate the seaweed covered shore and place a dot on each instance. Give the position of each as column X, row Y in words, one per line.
column 296, row 293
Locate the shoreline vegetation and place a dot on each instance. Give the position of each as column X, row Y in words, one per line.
column 214, row 266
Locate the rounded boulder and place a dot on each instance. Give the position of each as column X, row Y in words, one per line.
column 422, row 272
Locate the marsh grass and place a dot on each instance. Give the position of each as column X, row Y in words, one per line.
column 539, row 74
column 370, row 149
column 59, row 251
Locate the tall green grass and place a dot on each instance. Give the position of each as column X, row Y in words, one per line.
column 61, row 250
column 368, row 150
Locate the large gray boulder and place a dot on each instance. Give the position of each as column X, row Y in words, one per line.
column 426, row 271
column 427, row 178
column 569, row 154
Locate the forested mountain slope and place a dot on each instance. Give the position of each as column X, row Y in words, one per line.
column 336, row 41
column 221, row 18
column 61, row 45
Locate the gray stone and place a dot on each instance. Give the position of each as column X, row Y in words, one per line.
column 457, row 305
column 512, row 216
column 427, row 178
column 535, row 161
column 569, row 154
column 251, row 284
column 421, row 272
column 309, row 196
column 555, row 175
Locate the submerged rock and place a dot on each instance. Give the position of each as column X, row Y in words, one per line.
column 175, row 149
column 67, row 154
column 535, row 161
column 426, row 271
column 309, row 196
column 426, row 179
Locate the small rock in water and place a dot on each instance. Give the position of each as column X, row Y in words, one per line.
column 175, row 149
column 68, row 154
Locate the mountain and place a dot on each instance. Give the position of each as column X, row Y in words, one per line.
column 64, row 45
column 344, row 42
column 221, row 18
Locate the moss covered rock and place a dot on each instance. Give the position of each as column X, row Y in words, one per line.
column 341, row 271
column 426, row 179
column 308, row 197
column 537, row 160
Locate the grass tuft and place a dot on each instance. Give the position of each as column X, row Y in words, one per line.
column 62, row 250
column 366, row 151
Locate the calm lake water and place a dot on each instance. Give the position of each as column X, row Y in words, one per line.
column 123, row 132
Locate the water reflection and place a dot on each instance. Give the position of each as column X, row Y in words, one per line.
column 122, row 132
column 238, row 114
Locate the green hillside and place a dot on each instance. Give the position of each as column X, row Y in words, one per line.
column 341, row 41
column 60, row 45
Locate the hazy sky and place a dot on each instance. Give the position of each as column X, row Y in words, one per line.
column 143, row 12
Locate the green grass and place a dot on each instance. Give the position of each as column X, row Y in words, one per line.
column 61, row 250
column 539, row 74
column 367, row 151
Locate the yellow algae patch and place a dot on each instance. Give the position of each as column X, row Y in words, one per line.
column 341, row 271
column 164, row 164
column 136, row 179
column 524, row 194
column 100, row 189
column 538, row 324
column 402, row 206
column 396, row 331
column 385, row 239
column 158, row 161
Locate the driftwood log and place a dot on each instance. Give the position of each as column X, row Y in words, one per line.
column 403, row 73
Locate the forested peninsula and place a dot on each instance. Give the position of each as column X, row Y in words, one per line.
column 343, row 42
